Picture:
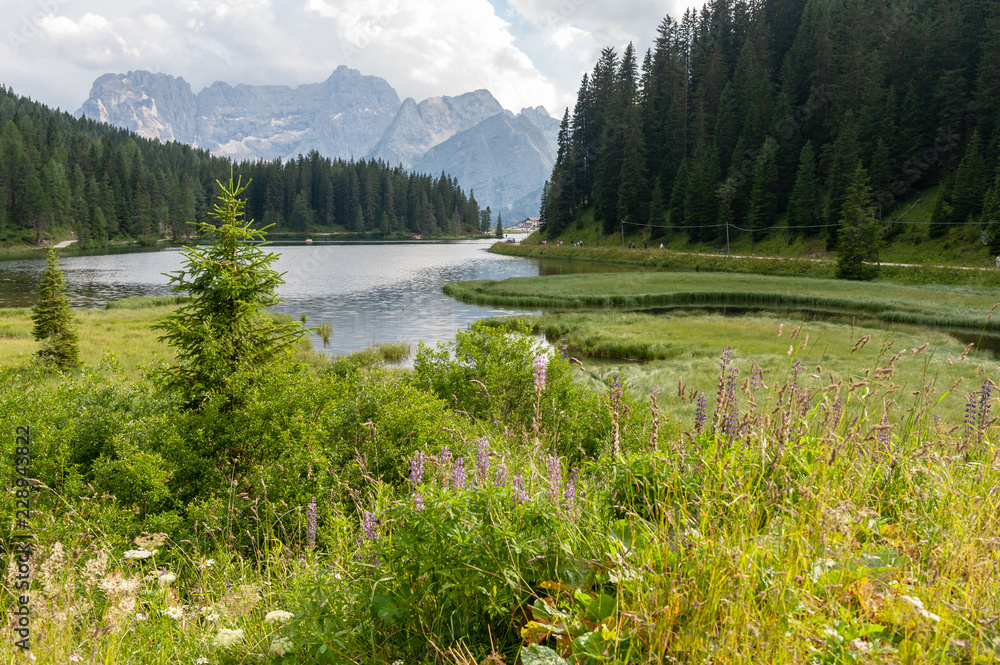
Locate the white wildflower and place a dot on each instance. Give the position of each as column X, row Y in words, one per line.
column 206, row 563
column 140, row 616
column 139, row 553
column 166, row 579
column 277, row 616
column 201, row 661
column 930, row 615
column 211, row 616
column 74, row 658
column 174, row 612
column 916, row 602
column 831, row 633
column 280, row 646
column 227, row 638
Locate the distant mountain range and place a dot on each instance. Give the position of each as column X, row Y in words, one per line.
column 504, row 158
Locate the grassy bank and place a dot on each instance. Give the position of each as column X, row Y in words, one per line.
column 793, row 266
column 966, row 308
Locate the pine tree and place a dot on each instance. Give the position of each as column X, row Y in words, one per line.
column 763, row 195
column 633, row 193
column 53, row 319
column 804, row 204
column 971, row 182
column 859, row 238
column 943, row 213
column 991, row 214
column 223, row 337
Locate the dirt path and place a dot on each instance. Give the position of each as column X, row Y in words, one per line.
column 64, row 243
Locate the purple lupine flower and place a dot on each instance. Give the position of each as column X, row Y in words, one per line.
column 555, row 479
column 570, row 493
column 483, row 459
column 369, row 526
column 500, row 475
column 797, row 368
column 445, row 460
column 417, row 468
column 615, row 392
column 520, row 496
column 311, row 523
column 458, row 474
column 541, row 363
column 701, row 413
column 937, row 421
column 756, row 379
column 418, row 501
column 724, row 361
column 984, row 404
column 970, row 414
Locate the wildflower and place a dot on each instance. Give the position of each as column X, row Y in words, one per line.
column 227, row 638
column 166, row 578
column 446, row 461
column 500, row 475
column 417, row 468
column 370, row 526
column 277, row 616
column 520, row 496
column 280, row 645
column 311, row 523
column 418, row 502
column 832, row 634
column 882, row 437
column 201, row 661
column 174, row 612
column 458, row 474
column 74, row 658
column 482, row 458
column 140, row 616
column 570, row 493
column 541, row 361
column 139, row 553
column 206, row 563
column 211, row 617
column 915, row 602
column 555, row 479
column 701, row 413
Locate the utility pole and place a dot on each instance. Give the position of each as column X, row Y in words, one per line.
column 623, row 233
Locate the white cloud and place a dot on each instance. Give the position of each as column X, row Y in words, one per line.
column 53, row 50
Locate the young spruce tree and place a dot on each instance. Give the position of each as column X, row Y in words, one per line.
column 222, row 337
column 53, row 318
column 859, row 237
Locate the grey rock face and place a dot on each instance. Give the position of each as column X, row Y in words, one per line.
column 419, row 127
column 151, row 105
column 540, row 118
column 341, row 117
column 505, row 160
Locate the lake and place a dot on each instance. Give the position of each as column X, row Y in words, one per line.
column 369, row 293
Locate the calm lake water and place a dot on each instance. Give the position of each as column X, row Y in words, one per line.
column 367, row 292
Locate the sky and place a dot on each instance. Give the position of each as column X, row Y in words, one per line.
column 526, row 52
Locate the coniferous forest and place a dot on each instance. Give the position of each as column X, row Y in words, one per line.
column 745, row 116
column 59, row 174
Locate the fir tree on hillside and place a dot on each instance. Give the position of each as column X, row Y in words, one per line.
column 53, row 318
column 858, row 238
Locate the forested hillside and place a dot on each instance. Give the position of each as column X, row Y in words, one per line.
column 59, row 174
column 748, row 116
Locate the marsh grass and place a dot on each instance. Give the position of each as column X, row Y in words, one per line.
column 965, row 308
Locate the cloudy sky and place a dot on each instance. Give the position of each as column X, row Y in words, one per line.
column 526, row 52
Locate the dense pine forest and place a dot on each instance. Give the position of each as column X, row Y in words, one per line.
column 61, row 175
column 793, row 114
